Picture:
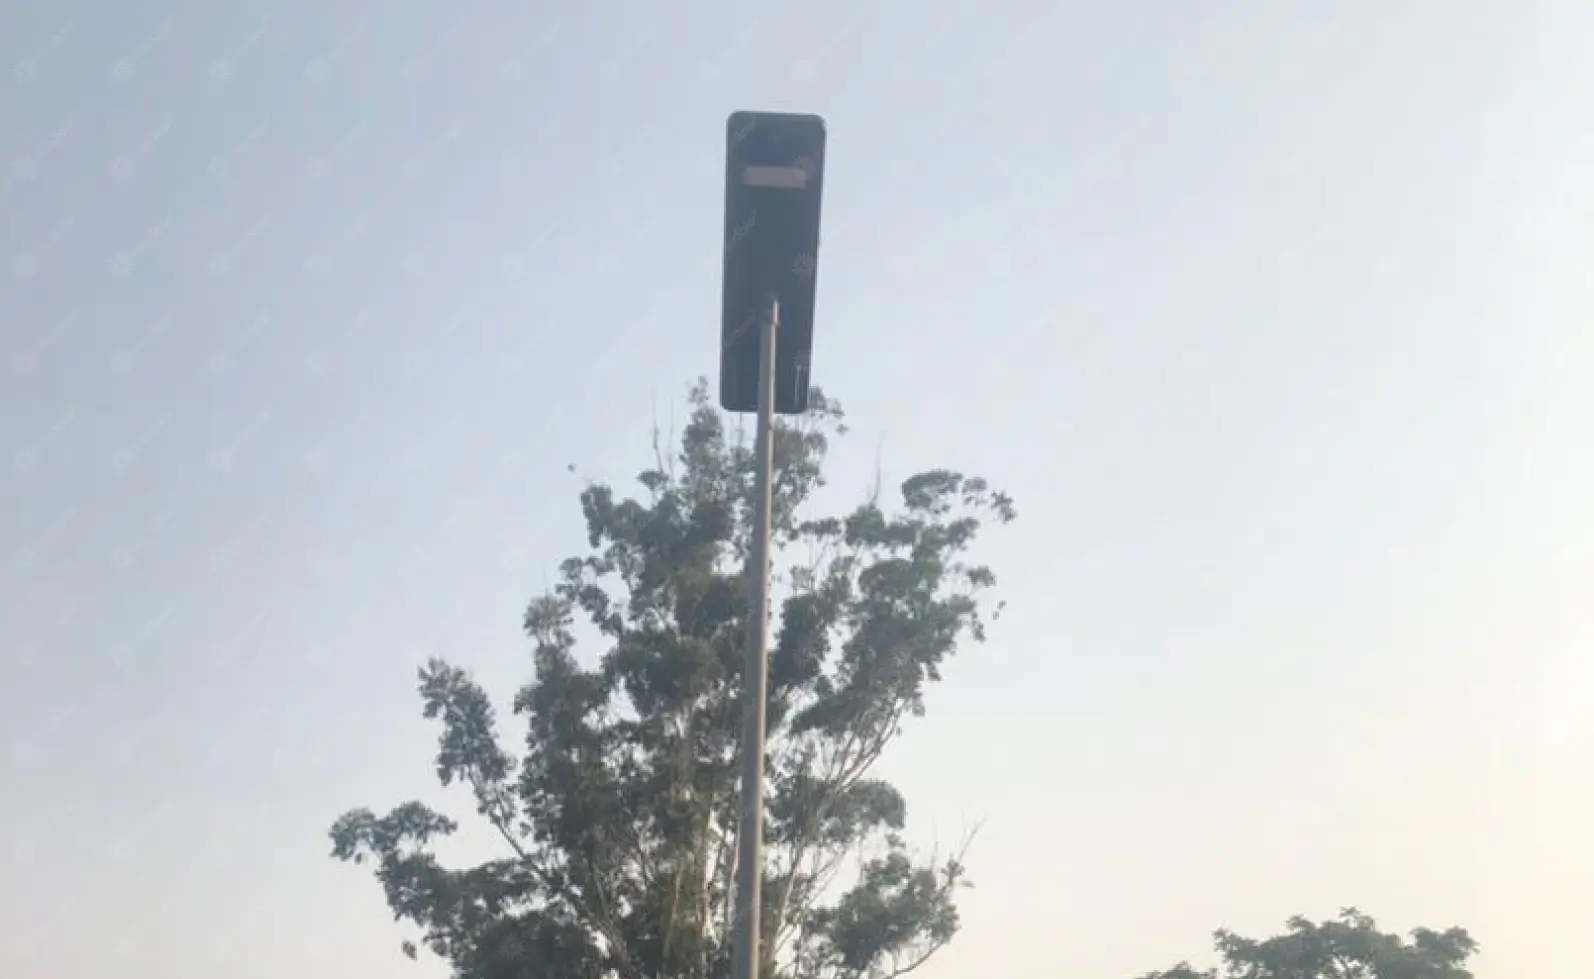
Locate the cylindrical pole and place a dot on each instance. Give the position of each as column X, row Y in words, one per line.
column 746, row 944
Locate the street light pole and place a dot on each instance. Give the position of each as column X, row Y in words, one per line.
column 746, row 944
column 774, row 180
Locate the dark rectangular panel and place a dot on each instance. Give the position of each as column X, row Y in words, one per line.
column 774, row 179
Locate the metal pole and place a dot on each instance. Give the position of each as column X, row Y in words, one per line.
column 746, row 944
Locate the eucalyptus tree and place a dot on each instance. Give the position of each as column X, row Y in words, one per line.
column 1350, row 946
column 616, row 809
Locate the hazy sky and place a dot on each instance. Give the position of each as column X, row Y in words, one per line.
column 1275, row 317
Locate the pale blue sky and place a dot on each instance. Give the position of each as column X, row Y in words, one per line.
column 1274, row 316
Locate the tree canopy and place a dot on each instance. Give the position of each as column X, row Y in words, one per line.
column 617, row 813
column 1350, row 946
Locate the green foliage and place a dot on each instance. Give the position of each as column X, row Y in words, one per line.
column 1349, row 947
column 618, row 817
